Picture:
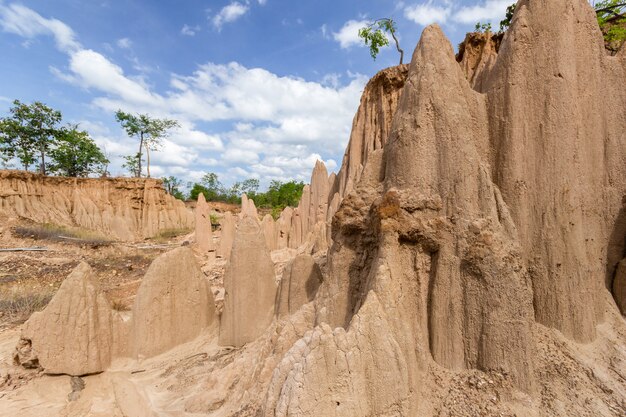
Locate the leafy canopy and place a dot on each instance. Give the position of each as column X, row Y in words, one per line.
column 278, row 196
column 611, row 15
column 172, row 187
column 29, row 133
column 150, row 132
column 374, row 36
column 76, row 154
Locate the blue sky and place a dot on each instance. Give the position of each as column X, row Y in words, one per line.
column 261, row 88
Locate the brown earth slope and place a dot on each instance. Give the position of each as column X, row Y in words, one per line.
column 121, row 208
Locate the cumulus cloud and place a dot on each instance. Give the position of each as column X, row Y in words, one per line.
column 25, row 22
column 446, row 11
column 235, row 120
column 489, row 10
column 348, row 35
column 93, row 70
column 189, row 30
column 124, row 43
column 427, row 13
column 229, row 14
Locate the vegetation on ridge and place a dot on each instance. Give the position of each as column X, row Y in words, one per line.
column 374, row 36
column 278, row 195
column 150, row 132
column 31, row 134
column 611, row 16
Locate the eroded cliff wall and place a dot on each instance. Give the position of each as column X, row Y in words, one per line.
column 121, row 208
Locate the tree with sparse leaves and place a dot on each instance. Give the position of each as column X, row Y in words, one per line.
column 172, row 187
column 373, row 34
column 76, row 154
column 611, row 16
column 133, row 164
column 150, row 133
column 29, row 133
column 508, row 18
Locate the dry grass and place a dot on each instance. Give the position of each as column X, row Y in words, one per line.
column 75, row 236
column 167, row 234
column 17, row 304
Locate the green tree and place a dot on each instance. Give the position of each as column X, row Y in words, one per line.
column 611, row 16
column 483, row 27
column 373, row 34
column 150, row 132
column 76, row 154
column 172, row 187
column 279, row 195
column 508, row 18
column 29, row 133
column 198, row 189
column 250, row 186
column 133, row 164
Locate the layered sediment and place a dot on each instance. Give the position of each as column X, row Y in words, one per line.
column 122, row 208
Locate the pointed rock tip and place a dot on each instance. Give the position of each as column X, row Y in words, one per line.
column 81, row 272
column 434, row 41
column 180, row 255
column 201, row 198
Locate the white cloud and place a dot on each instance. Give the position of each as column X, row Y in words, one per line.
column 236, row 121
column 92, row 70
column 427, row 13
column 262, row 2
column 124, row 43
column 348, row 35
column 190, row 30
column 489, row 10
column 25, row 22
column 324, row 30
column 229, row 14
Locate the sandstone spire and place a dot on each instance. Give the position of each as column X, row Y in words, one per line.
column 248, row 208
column 299, row 284
column 74, row 334
column 227, row 235
column 204, row 231
column 558, row 155
column 250, row 287
column 173, row 304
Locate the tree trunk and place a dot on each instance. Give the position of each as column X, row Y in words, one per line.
column 398, row 47
column 148, row 160
column 42, row 167
column 138, row 173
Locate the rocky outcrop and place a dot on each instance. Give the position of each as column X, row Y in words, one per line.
column 310, row 222
column 463, row 231
column 371, row 125
column 122, row 208
column 477, row 55
column 270, row 232
column 298, row 286
column 364, row 373
column 204, row 229
column 561, row 120
column 248, row 208
column 250, row 287
column 76, row 334
column 173, row 304
column 227, row 235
